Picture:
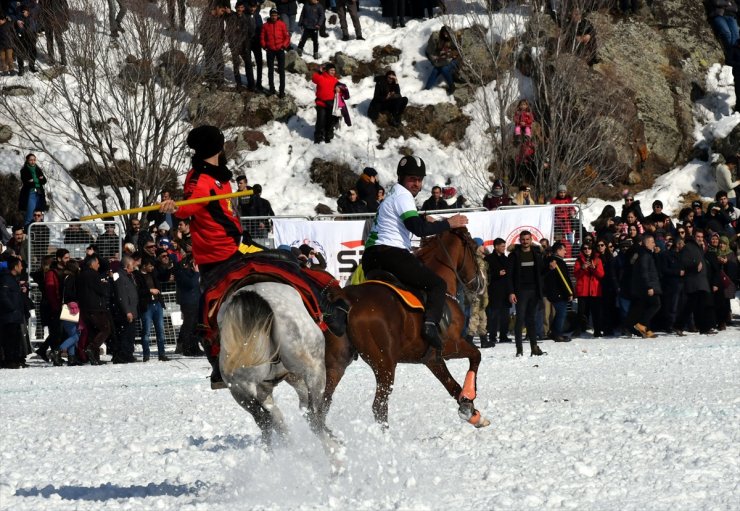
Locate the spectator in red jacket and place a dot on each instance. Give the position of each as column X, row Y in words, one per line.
column 523, row 119
column 589, row 272
column 326, row 86
column 563, row 214
column 275, row 40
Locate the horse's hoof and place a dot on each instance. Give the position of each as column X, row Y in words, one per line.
column 482, row 421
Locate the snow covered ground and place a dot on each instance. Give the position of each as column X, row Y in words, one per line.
column 597, row 424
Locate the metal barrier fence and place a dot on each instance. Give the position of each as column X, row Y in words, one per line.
column 44, row 238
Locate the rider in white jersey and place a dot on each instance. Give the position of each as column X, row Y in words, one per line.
column 389, row 245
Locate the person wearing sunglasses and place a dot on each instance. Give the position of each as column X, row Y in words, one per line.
column 630, row 204
column 609, row 288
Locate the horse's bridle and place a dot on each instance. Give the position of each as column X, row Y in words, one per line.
column 477, row 279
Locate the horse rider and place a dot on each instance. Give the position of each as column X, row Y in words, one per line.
column 215, row 229
column 388, row 246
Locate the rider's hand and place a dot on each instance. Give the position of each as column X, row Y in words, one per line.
column 512, row 298
column 457, row 221
column 167, row 206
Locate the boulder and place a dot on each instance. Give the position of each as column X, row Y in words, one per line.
column 174, row 67
column 346, row 65
column 444, row 121
column 6, row 133
column 250, row 140
column 384, row 56
column 135, row 72
column 16, row 90
column 228, row 108
column 729, row 146
column 334, row 177
column 295, row 64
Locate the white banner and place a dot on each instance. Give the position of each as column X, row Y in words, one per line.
column 508, row 223
column 340, row 242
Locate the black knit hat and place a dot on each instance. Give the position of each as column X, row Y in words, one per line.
column 411, row 166
column 206, row 141
column 369, row 171
column 305, row 249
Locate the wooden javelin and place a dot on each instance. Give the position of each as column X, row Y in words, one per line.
column 179, row 203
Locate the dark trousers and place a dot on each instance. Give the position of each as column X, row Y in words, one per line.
column 187, row 338
column 643, row 309
column 409, row 270
column 324, row 130
column 213, row 63
column 257, row 53
column 721, row 307
column 26, row 52
column 53, row 32
column 697, row 305
column 394, row 106
column 498, row 322
column 126, row 339
column 100, row 324
column 313, row 34
column 272, row 56
column 589, row 306
column 526, row 310
column 398, row 10
column 11, row 344
column 237, row 56
column 343, row 7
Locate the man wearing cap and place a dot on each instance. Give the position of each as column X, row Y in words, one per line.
column 275, row 40
column 700, row 219
column 389, row 245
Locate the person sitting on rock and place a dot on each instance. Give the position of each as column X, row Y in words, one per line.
column 311, row 20
column 367, row 187
column 582, row 35
column 443, row 55
column 387, row 98
column 723, row 18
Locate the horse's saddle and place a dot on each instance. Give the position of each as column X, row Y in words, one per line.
column 411, row 297
column 272, row 266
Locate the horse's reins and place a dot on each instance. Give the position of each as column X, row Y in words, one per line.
column 467, row 248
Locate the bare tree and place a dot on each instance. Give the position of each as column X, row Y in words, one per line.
column 576, row 111
column 120, row 103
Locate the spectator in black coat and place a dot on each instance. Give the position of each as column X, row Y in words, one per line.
column 696, row 286
column 387, row 98
column 240, row 29
column 187, row 278
column 350, row 203
column 558, row 290
column 212, row 37
column 27, row 28
column 127, row 297
column 259, row 207
column 55, row 20
column 630, row 204
column 109, row 243
column 646, row 288
column 311, row 21
column 367, row 188
column 93, row 296
column 434, row 202
column 13, row 313
column 255, row 45
column 32, row 195
column 526, row 288
column 498, row 297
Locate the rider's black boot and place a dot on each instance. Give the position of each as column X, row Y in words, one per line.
column 430, row 333
column 217, row 381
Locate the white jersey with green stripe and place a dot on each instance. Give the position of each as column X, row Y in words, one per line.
column 388, row 227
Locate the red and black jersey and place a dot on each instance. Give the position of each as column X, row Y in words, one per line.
column 214, row 228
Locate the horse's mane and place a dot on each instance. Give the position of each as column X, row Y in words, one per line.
column 430, row 243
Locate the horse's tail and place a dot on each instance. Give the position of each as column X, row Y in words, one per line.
column 246, row 324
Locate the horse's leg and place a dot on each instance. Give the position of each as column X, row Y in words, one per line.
column 301, row 389
column 338, row 356
column 261, row 416
column 466, row 394
column 385, row 375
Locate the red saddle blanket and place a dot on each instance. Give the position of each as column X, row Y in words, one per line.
column 309, row 283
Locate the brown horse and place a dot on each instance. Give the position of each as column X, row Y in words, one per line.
column 384, row 331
